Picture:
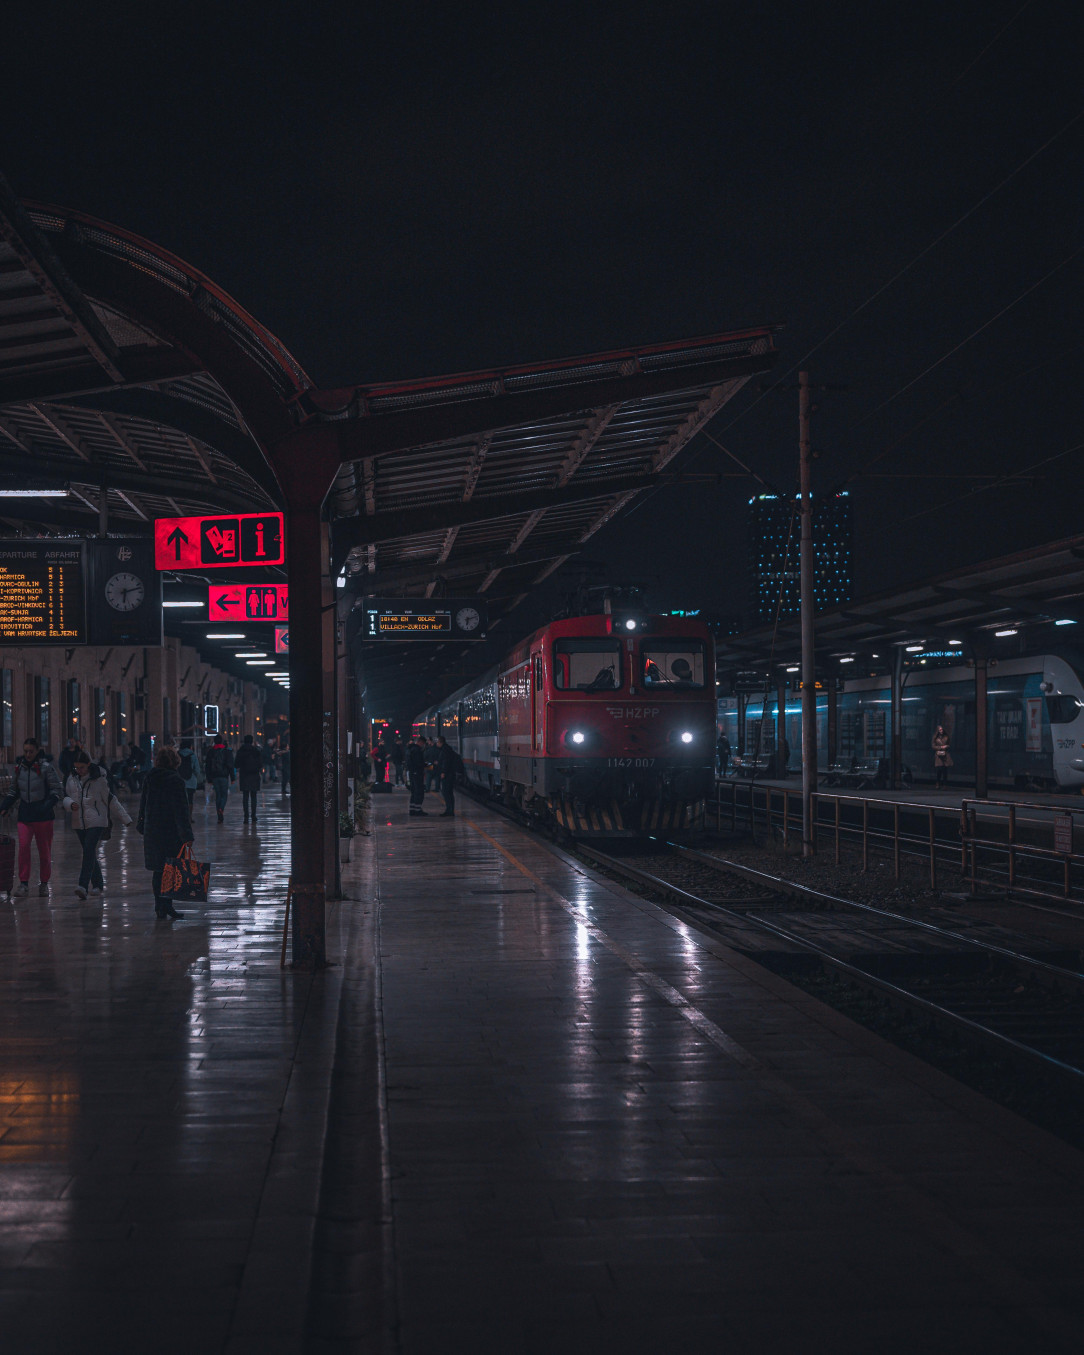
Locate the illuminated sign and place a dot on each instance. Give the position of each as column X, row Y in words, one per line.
column 448, row 619
column 42, row 593
column 210, row 719
column 219, row 542
column 282, row 639
column 248, row 602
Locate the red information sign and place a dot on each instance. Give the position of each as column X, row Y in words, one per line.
column 282, row 639
column 248, row 602
column 220, row 542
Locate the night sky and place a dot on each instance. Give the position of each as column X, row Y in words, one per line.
column 397, row 194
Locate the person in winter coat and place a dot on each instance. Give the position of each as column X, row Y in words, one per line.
column 398, row 754
column 87, row 795
column 380, row 761
column 432, row 770
column 189, row 772
column 450, row 765
column 37, row 787
column 218, row 769
column 942, row 758
column 249, row 774
column 165, row 823
column 415, row 765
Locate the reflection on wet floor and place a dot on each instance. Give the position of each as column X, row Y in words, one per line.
column 139, row 1097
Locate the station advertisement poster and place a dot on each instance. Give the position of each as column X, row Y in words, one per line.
column 1035, row 724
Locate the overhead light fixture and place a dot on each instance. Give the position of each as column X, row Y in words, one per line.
column 182, row 604
column 33, row 493
column 914, row 649
column 793, row 668
column 1065, row 622
column 258, row 663
column 955, row 644
column 251, row 654
column 226, row 635
column 1002, row 633
column 847, row 660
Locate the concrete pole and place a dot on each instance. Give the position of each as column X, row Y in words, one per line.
column 982, row 789
column 809, row 666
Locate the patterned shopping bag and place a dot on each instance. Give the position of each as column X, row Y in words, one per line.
column 183, row 877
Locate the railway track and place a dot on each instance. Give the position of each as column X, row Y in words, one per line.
column 1019, row 1001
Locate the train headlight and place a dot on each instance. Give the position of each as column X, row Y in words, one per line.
column 686, row 736
column 577, row 736
column 630, row 624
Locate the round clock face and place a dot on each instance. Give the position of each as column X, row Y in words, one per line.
column 467, row 618
column 124, row 592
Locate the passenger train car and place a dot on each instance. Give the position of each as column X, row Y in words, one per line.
column 601, row 725
column 1034, row 722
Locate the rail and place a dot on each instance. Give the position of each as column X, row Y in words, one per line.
column 940, row 834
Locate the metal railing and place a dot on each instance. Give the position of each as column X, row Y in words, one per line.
column 947, row 833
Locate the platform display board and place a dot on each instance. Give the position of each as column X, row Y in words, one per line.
column 413, row 619
column 248, row 602
column 42, row 593
column 219, row 542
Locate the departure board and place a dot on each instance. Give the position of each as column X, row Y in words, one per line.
column 42, row 593
column 450, row 618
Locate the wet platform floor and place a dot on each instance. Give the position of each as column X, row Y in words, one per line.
column 523, row 1112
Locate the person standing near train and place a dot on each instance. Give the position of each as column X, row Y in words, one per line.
column 942, row 758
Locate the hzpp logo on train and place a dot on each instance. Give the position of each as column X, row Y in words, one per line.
column 634, row 712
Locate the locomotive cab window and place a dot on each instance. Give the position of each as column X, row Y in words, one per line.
column 1062, row 710
column 673, row 662
column 587, row 665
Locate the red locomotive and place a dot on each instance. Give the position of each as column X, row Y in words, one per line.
column 603, row 725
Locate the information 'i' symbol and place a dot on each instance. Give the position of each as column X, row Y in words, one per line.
column 259, row 539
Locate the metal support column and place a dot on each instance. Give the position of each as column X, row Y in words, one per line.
column 780, row 721
column 897, row 718
column 981, row 788
column 809, row 667
column 832, row 712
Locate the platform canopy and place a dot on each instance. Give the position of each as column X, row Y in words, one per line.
column 1017, row 603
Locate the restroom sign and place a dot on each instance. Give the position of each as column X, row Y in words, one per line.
column 248, row 602
column 219, row 542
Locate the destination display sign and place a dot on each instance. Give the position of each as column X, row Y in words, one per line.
column 448, row 619
column 42, row 593
column 219, row 542
column 248, row 602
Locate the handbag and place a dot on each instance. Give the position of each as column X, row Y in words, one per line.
column 183, row 877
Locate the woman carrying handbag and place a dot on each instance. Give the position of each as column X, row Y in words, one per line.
column 165, row 823
column 92, row 806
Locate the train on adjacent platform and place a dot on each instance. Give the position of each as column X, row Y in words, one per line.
column 1034, row 723
column 601, row 726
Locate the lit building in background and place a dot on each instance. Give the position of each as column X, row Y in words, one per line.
column 776, row 532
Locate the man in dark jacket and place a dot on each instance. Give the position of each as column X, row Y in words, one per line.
column 432, row 771
column 218, row 769
column 450, row 764
column 164, row 822
column 249, row 773
column 37, row 787
column 415, row 765
column 397, row 756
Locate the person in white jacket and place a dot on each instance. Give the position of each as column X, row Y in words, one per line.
column 87, row 795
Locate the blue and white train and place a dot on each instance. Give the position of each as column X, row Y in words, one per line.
column 1034, row 722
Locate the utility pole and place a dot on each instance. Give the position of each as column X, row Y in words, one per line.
column 809, row 667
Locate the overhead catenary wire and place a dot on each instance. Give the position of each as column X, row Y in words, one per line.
column 1009, row 478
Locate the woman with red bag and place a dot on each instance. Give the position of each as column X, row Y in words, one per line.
column 164, row 821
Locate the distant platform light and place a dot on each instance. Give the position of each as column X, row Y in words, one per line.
column 33, row 493
column 259, row 663
column 915, row 649
column 846, row 660
column 1065, row 622
column 182, row 604
column 793, row 668
column 955, row 643
column 226, row 635
column 252, row 654
column 1002, row 633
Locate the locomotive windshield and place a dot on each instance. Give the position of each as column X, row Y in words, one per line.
column 587, row 665
column 672, row 662
column 1062, row 710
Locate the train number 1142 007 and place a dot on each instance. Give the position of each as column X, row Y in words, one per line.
column 630, row 762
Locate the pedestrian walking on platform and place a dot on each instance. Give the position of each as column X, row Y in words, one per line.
column 450, row 764
column 415, row 765
column 432, row 770
column 284, row 765
column 398, row 754
column 165, row 823
column 219, row 770
column 88, row 796
column 189, row 772
column 722, row 753
column 942, row 758
column 249, row 774
column 37, row 788
column 380, row 762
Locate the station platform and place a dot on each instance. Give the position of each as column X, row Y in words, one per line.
column 524, row 1111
